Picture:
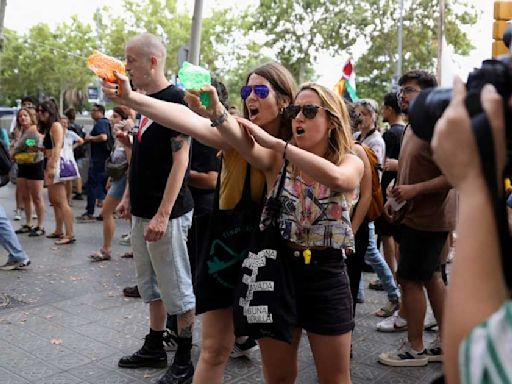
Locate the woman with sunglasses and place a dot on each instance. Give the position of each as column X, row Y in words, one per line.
column 53, row 143
column 320, row 180
column 269, row 88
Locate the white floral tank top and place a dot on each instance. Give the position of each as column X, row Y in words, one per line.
column 312, row 216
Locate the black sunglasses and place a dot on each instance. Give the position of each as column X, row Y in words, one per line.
column 308, row 110
column 261, row 91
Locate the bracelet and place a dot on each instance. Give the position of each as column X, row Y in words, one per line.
column 220, row 120
column 285, row 148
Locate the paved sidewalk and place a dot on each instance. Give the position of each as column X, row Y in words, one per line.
column 64, row 320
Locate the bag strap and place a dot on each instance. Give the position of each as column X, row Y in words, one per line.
column 282, row 179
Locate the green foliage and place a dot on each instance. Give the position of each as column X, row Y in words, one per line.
column 377, row 65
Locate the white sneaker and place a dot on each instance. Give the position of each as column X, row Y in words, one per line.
column 435, row 351
column 404, row 356
column 34, row 216
column 430, row 322
column 394, row 323
column 126, row 239
column 17, row 214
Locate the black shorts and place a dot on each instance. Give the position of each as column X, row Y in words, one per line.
column 31, row 171
column 385, row 228
column 322, row 292
column 420, row 253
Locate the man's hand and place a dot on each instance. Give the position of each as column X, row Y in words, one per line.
column 124, row 209
column 156, row 227
column 391, row 165
column 404, row 192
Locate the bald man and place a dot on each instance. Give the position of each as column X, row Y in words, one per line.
column 161, row 204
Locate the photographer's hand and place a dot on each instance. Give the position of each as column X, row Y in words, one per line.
column 477, row 287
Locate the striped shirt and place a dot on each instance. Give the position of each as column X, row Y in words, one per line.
column 485, row 356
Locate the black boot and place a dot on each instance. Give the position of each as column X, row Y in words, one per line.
column 181, row 370
column 178, row 374
column 151, row 354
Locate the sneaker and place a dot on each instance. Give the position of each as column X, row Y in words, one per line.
column 244, row 349
column 34, row 216
column 150, row 355
column 17, row 214
column 85, row 218
column 99, row 218
column 178, row 374
column 131, row 291
column 12, row 265
column 404, row 356
column 434, row 351
column 126, row 239
column 430, row 322
column 394, row 323
column 170, row 341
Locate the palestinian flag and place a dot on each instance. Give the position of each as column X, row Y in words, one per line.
column 346, row 86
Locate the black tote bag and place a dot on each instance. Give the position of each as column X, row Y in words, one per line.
column 221, row 248
column 264, row 297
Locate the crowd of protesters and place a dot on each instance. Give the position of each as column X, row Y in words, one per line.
column 316, row 186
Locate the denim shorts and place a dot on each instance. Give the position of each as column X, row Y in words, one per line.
column 163, row 267
column 116, row 190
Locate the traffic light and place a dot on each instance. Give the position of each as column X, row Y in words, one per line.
column 502, row 18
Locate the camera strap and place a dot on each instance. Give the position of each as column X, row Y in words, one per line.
column 485, row 142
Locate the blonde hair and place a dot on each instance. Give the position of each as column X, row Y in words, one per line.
column 31, row 113
column 340, row 140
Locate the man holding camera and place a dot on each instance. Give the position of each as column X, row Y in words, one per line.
column 427, row 218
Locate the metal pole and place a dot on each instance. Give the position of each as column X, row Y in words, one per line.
column 3, row 5
column 440, row 35
column 400, row 41
column 195, row 33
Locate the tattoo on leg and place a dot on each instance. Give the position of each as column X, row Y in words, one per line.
column 186, row 323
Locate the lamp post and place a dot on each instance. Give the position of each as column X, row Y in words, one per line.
column 398, row 71
column 195, row 33
column 440, row 36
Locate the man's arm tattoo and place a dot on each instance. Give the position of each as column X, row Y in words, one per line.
column 177, row 142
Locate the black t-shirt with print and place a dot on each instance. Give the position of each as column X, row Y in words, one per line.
column 152, row 162
column 204, row 159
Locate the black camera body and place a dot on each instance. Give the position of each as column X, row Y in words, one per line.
column 431, row 103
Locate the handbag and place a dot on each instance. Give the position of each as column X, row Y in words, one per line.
column 115, row 170
column 223, row 247
column 264, row 297
column 27, row 157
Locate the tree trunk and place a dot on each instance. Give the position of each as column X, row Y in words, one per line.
column 302, row 73
column 61, row 101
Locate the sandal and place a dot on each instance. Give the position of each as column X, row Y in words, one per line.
column 388, row 309
column 24, row 229
column 65, row 240
column 100, row 255
column 37, row 231
column 55, row 235
column 127, row 255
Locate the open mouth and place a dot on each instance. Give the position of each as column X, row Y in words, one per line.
column 300, row 131
column 253, row 112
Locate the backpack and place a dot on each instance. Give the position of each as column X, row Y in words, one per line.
column 5, row 159
column 377, row 203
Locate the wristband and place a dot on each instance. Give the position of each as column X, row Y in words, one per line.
column 220, row 120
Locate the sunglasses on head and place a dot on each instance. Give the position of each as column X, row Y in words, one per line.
column 308, row 110
column 261, row 91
